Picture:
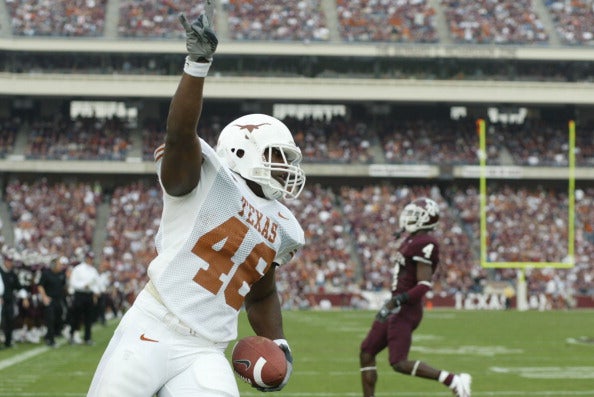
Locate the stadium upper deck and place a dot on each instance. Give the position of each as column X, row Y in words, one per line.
column 253, row 26
column 513, row 51
column 467, row 51
column 307, row 52
column 405, row 21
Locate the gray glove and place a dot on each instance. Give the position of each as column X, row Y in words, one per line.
column 386, row 312
column 201, row 40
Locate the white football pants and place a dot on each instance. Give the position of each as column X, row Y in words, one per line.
column 151, row 353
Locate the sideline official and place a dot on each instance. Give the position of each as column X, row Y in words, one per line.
column 85, row 282
column 52, row 286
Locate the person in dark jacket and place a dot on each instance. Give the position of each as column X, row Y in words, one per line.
column 52, row 285
column 11, row 286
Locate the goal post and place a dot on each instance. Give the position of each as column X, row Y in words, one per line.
column 521, row 294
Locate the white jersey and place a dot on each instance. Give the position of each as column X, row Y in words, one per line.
column 214, row 243
column 84, row 278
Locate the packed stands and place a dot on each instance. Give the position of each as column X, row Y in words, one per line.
column 133, row 221
column 573, row 21
column 420, row 141
column 487, row 22
column 79, row 139
column 349, row 222
column 152, row 133
column 387, row 21
column 530, row 224
column 71, row 18
column 326, row 263
column 336, row 140
column 281, row 20
column 155, row 19
column 350, row 233
column 404, row 21
column 53, row 219
column 373, row 213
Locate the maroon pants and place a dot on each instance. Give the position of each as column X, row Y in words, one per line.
column 395, row 333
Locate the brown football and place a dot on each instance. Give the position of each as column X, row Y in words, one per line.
column 259, row 361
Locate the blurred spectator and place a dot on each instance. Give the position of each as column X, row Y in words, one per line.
column 573, row 21
column 286, row 20
column 86, row 138
column 57, row 17
column 134, row 217
column 325, row 263
column 12, row 286
column 52, row 219
column 85, row 282
column 155, row 19
column 52, row 288
column 390, row 20
column 489, row 22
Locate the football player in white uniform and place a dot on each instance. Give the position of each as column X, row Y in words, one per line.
column 222, row 234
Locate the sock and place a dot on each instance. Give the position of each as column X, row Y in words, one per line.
column 446, row 378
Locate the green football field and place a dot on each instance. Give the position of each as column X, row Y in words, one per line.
column 509, row 354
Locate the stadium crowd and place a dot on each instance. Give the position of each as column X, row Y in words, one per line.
column 302, row 20
column 573, row 21
column 349, row 233
column 338, row 139
column 87, row 138
column 487, row 22
column 57, row 18
column 387, row 21
column 412, row 21
column 154, row 19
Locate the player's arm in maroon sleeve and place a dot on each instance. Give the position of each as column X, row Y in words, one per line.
column 416, row 293
column 263, row 307
column 424, row 284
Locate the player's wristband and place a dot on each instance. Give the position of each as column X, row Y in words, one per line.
column 282, row 342
column 196, row 69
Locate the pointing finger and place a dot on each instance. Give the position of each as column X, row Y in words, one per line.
column 184, row 22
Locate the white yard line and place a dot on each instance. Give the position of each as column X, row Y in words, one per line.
column 8, row 362
column 19, row 358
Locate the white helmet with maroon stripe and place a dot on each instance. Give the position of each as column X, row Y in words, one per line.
column 247, row 145
column 421, row 213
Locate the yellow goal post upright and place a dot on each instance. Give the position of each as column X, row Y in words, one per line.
column 521, row 293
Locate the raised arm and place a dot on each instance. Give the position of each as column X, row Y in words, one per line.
column 182, row 157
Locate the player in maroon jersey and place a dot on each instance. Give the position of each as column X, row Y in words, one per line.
column 416, row 261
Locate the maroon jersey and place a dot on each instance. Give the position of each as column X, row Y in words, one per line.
column 419, row 247
column 396, row 332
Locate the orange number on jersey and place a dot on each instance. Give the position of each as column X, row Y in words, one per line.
column 217, row 248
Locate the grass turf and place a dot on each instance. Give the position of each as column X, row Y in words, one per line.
column 508, row 353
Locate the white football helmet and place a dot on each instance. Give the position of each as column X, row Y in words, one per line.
column 422, row 213
column 247, row 145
